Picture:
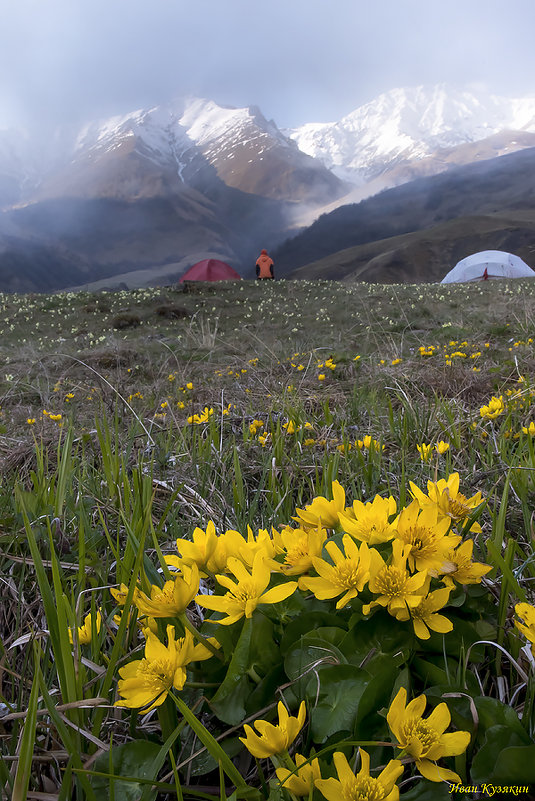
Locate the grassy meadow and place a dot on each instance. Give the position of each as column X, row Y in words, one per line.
column 349, row 470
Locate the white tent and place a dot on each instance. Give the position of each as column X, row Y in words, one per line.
column 488, row 264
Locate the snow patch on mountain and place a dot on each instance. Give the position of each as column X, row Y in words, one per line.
column 406, row 124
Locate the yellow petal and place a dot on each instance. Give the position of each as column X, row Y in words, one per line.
column 416, row 707
column 434, row 773
column 420, row 629
column 279, row 593
column 455, row 743
column 396, row 710
column 439, row 623
column 331, row 789
column 345, row 774
column 440, row 718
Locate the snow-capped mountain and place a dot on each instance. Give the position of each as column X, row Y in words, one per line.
column 185, row 139
column 151, row 192
column 143, row 195
column 407, row 125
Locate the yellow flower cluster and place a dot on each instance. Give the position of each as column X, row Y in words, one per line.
column 423, row 739
column 203, row 417
column 493, row 409
column 426, row 449
column 424, row 547
column 405, row 560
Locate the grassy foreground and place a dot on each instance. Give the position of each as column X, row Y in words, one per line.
column 261, row 421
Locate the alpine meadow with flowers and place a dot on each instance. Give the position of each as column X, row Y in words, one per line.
column 268, row 542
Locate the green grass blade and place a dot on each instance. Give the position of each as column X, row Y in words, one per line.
column 25, row 753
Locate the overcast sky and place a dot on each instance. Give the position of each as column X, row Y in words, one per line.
column 299, row 60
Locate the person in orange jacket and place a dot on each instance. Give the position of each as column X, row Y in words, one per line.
column 264, row 266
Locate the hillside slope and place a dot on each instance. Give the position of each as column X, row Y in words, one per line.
column 489, row 205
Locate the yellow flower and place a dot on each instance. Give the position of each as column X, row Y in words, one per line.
column 254, row 426
column 368, row 522
column 395, row 361
column 146, row 682
column 424, row 451
column 86, row 630
column 395, row 587
column 173, row 598
column 243, row 597
column 527, row 613
column 290, row 427
column 425, row 617
column 362, row 786
column 199, row 551
column 445, row 495
column 369, row 443
column 425, row 534
column 425, row 740
column 299, row 547
column 347, row 575
column 203, row 417
column 322, row 512
column 30, row 421
column 245, row 550
column 441, row 447
column 426, row 351
column 274, row 739
column 302, row 782
column 120, row 594
column 461, row 568
column 321, row 377
column 526, row 429
column 493, row 410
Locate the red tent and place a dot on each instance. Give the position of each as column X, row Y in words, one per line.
column 210, row 270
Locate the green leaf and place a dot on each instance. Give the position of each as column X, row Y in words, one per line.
column 492, row 712
column 464, row 633
column 26, row 746
column 229, row 701
column 264, row 652
column 264, row 693
column 307, row 656
column 432, row 672
column 255, row 653
column 377, row 633
column 210, row 743
column 504, row 759
column 134, row 760
column 383, row 672
column 306, row 623
column 338, row 691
